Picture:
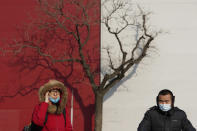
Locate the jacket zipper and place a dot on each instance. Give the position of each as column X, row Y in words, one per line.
column 165, row 118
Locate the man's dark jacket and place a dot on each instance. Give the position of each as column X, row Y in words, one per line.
column 173, row 120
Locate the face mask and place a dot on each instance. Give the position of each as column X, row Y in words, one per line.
column 165, row 107
column 54, row 100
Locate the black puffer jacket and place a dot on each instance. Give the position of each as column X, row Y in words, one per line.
column 173, row 120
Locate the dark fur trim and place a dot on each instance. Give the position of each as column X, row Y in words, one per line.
column 58, row 109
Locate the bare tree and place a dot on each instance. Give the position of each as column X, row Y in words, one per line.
column 127, row 24
column 59, row 27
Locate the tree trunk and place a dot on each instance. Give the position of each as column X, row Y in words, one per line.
column 98, row 111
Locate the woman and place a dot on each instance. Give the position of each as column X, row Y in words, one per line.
column 50, row 114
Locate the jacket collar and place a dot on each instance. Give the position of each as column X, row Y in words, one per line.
column 167, row 113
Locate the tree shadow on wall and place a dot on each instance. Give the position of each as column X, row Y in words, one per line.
column 126, row 78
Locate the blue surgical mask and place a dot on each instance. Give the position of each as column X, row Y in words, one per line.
column 165, row 107
column 54, row 100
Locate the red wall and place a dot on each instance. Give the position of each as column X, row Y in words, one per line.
column 15, row 111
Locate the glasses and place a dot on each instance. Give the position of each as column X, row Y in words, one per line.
column 54, row 92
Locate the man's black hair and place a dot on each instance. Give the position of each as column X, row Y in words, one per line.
column 166, row 92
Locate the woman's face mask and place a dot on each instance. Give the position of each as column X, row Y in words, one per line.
column 54, row 100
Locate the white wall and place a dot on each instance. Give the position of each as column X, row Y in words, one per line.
column 173, row 67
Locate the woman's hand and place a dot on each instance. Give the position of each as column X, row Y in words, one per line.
column 47, row 97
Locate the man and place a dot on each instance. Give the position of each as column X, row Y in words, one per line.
column 164, row 116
